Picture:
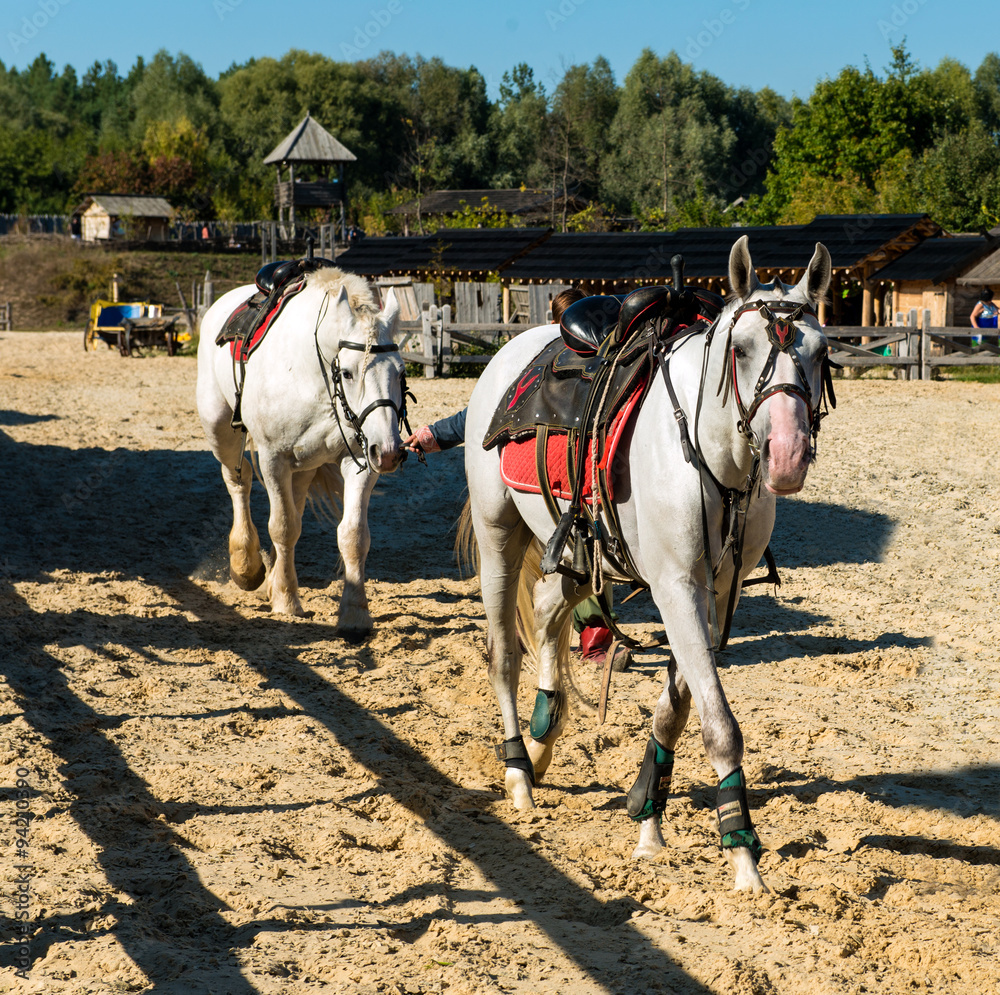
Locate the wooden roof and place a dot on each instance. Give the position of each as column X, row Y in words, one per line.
column 451, row 250
column 309, row 142
column 854, row 241
column 939, row 259
column 123, row 205
column 513, row 201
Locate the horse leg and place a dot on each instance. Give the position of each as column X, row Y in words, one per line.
column 246, row 568
column 354, row 541
column 285, row 526
column 690, row 643
column 553, row 597
column 653, row 784
column 502, row 537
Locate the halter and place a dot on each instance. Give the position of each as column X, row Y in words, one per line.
column 780, row 317
column 336, row 393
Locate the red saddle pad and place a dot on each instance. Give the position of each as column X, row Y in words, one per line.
column 517, row 458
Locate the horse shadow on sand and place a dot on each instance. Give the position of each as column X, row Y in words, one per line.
column 155, row 516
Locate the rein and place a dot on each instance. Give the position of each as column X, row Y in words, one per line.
column 335, row 391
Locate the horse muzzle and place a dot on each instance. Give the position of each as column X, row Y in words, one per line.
column 385, row 459
column 787, row 453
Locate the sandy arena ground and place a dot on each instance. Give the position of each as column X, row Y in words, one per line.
column 226, row 801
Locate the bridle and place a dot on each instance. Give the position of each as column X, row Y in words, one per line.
column 338, row 396
column 780, row 317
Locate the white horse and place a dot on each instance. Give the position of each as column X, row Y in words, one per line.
column 754, row 431
column 322, row 399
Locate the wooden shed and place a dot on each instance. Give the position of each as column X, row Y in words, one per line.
column 945, row 275
column 129, row 216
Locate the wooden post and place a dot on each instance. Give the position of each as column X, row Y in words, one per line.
column 925, row 352
column 208, row 291
column 263, row 244
column 445, row 340
column 912, row 346
column 505, row 298
column 114, row 287
column 274, row 241
column 822, row 312
column 428, row 315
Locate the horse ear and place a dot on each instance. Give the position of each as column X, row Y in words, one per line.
column 390, row 309
column 342, row 308
column 816, row 280
column 742, row 276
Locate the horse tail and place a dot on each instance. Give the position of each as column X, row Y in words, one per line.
column 466, row 547
column 326, row 493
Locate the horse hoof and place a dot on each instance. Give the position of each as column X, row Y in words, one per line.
column 248, row 582
column 540, row 754
column 651, row 840
column 519, row 789
column 747, row 876
column 354, row 636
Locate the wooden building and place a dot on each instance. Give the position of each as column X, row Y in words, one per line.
column 535, row 264
column 309, row 144
column 127, row 216
column 616, row 262
column 943, row 274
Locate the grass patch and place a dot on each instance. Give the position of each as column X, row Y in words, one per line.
column 970, row 374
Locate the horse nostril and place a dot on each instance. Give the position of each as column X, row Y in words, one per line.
column 373, row 454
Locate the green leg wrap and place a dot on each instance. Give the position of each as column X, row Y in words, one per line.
column 546, row 715
column 648, row 796
column 514, row 754
column 733, row 809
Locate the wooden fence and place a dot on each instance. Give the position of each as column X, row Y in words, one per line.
column 6, row 317
column 435, row 335
column 913, row 346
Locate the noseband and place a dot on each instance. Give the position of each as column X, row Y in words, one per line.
column 780, row 317
column 339, row 402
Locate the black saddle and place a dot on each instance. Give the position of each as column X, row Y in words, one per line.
column 272, row 280
column 600, row 324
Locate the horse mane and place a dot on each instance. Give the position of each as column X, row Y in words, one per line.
column 360, row 295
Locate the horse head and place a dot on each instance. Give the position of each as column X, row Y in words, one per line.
column 369, row 377
column 775, row 358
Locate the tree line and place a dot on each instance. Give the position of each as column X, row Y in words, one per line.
column 669, row 146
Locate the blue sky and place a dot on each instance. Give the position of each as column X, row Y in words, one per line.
column 778, row 43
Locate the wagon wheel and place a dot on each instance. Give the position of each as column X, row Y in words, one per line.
column 90, row 337
column 128, row 345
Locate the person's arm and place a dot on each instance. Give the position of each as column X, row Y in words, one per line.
column 976, row 311
column 443, row 434
column 450, row 431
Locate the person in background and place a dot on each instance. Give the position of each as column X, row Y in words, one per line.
column 984, row 314
column 588, row 621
